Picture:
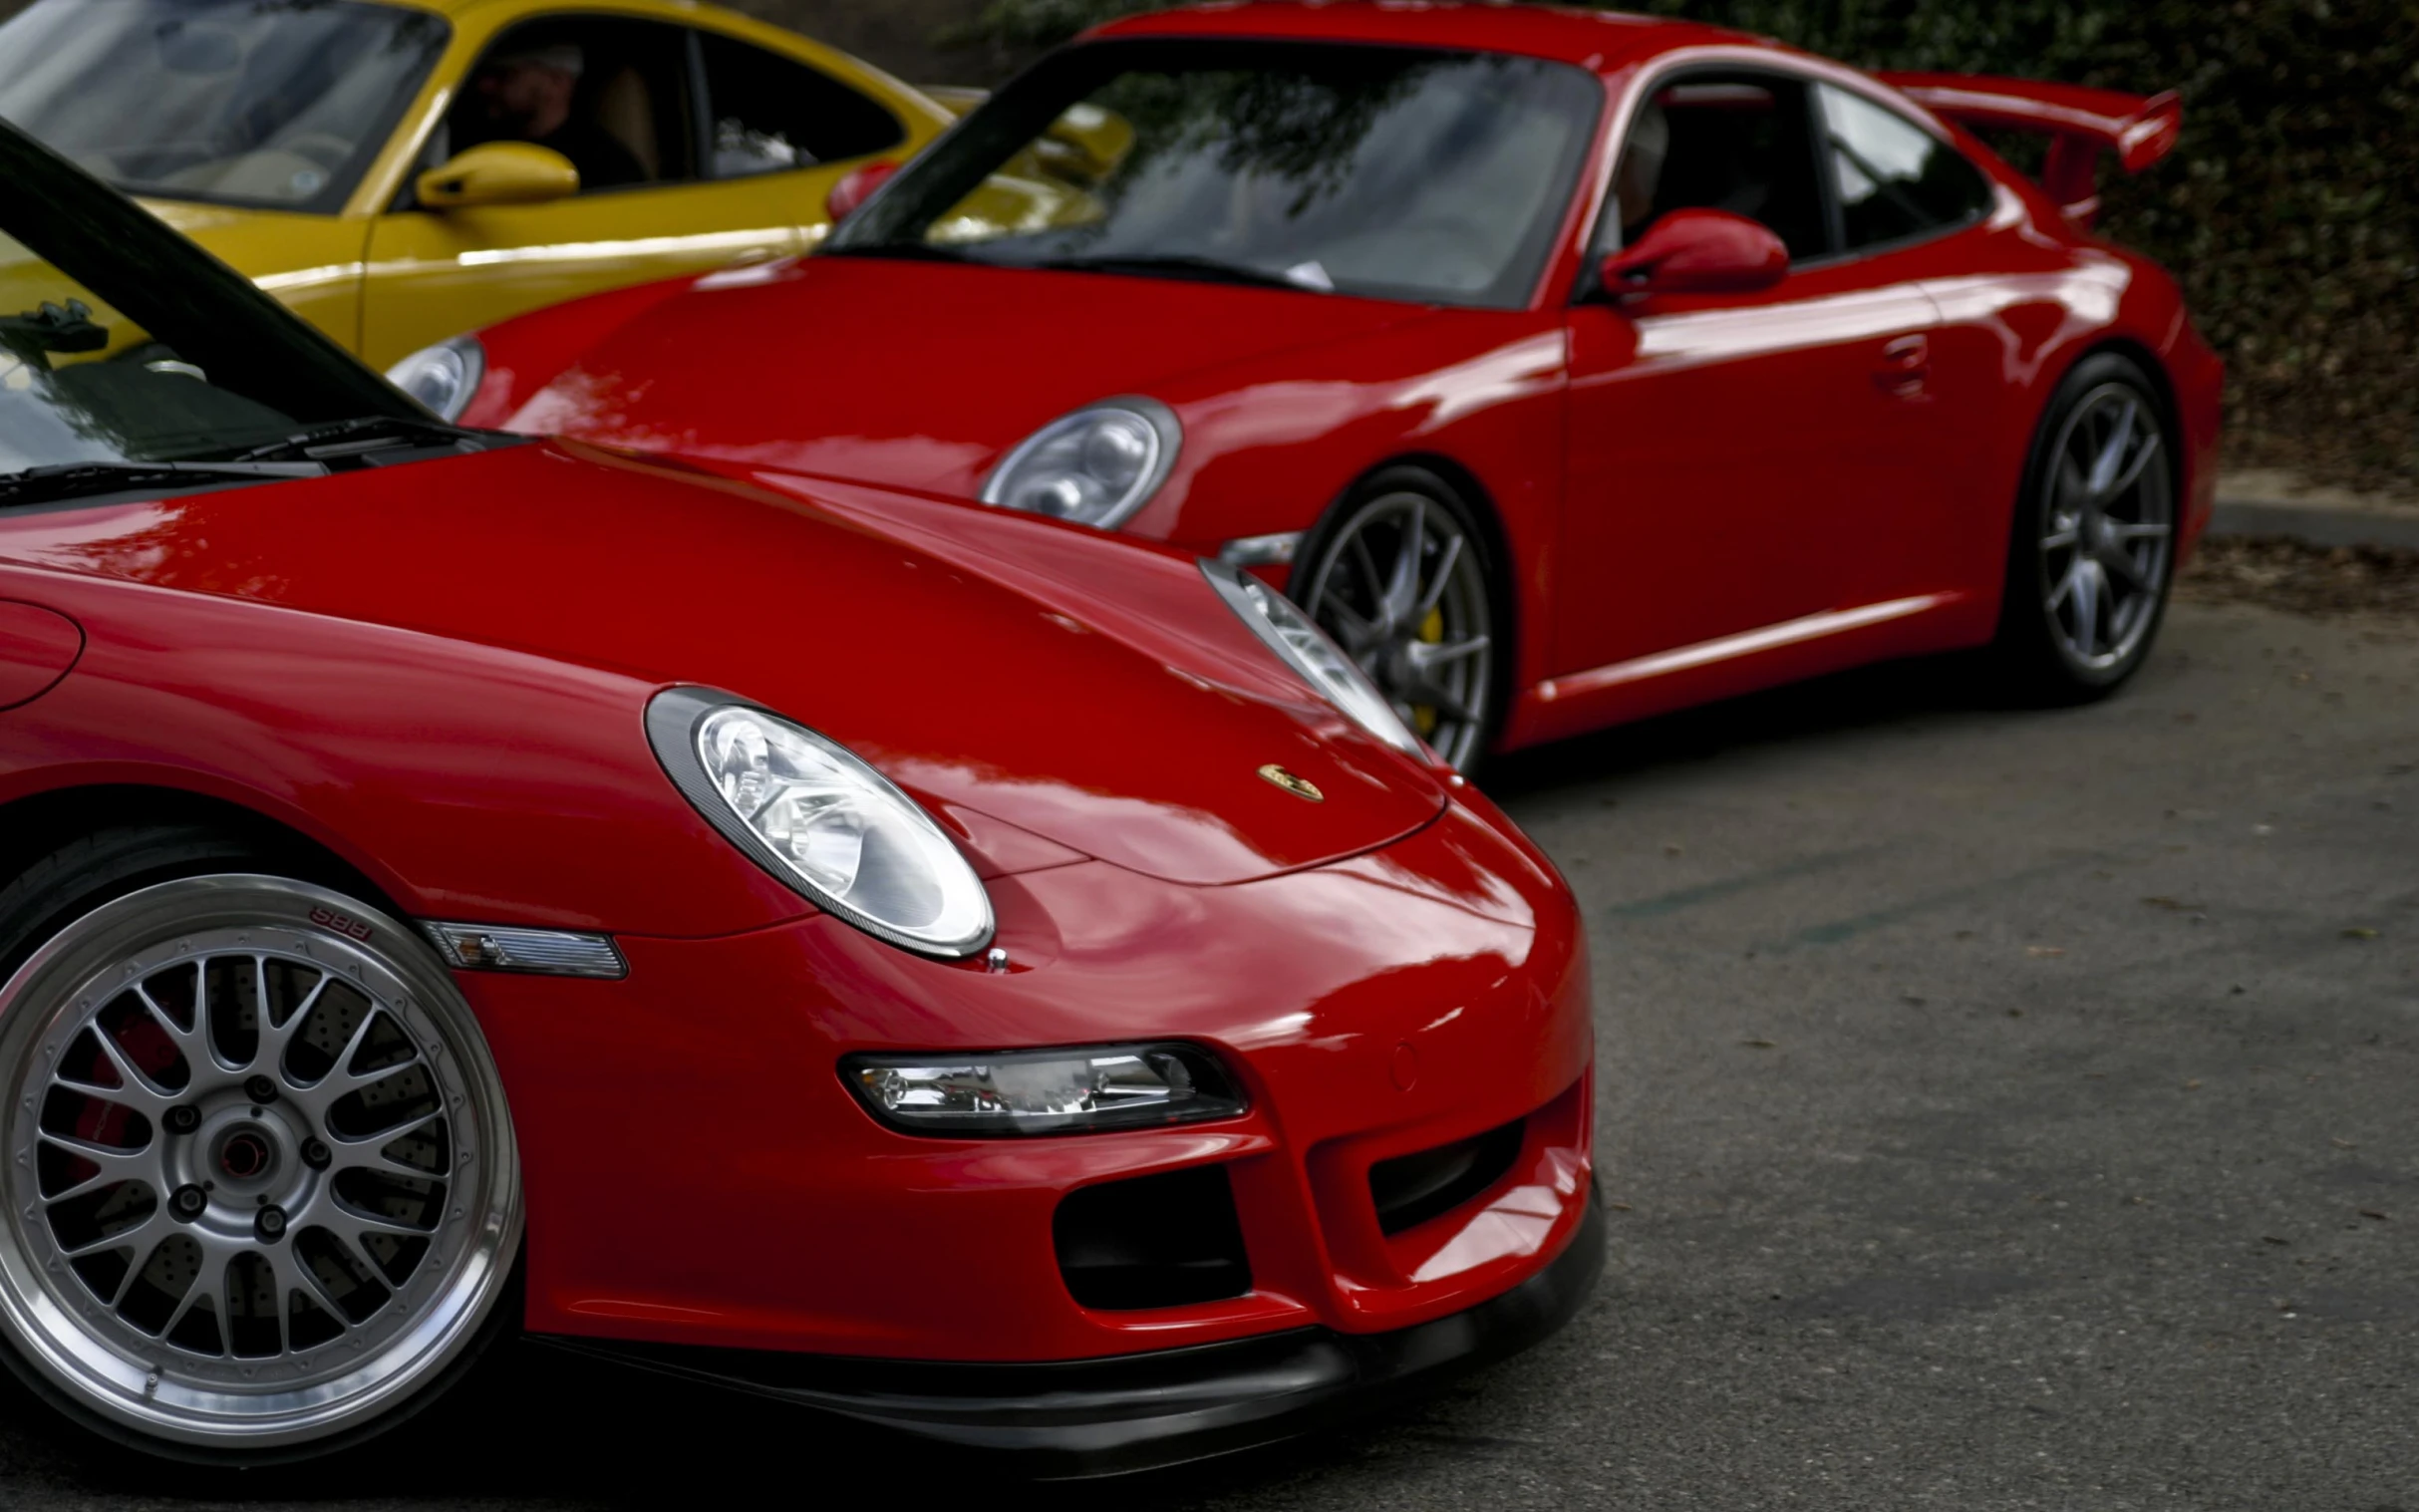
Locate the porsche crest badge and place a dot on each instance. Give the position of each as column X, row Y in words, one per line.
column 1301, row 787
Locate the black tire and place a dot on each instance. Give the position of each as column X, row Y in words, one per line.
column 104, row 874
column 1477, row 596
column 2077, row 621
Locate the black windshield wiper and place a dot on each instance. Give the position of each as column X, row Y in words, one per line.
column 913, row 251
column 59, row 481
column 1176, row 265
column 348, row 438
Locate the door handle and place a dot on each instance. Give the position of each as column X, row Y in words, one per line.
column 1905, row 366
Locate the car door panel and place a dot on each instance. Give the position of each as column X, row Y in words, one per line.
column 433, row 276
column 319, row 257
column 1724, row 455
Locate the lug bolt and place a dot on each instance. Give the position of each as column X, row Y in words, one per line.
column 270, row 1224
column 260, row 1089
column 315, row 1155
column 183, row 1119
column 187, row 1201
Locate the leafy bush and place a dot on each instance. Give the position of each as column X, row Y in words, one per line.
column 2291, row 211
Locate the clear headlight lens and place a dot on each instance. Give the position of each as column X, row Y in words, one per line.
column 1095, row 467
column 1302, row 646
column 810, row 811
column 443, row 376
column 1052, row 1092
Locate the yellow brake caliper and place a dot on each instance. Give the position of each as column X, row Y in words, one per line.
column 1431, row 630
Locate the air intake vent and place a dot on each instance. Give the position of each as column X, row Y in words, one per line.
column 1152, row 1242
column 1411, row 1189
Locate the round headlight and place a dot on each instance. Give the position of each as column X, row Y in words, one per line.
column 443, row 376
column 814, row 815
column 1302, row 646
column 1095, row 467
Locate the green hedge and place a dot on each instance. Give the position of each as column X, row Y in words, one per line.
column 2291, row 211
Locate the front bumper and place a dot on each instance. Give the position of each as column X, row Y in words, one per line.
column 1378, row 1009
column 1111, row 1417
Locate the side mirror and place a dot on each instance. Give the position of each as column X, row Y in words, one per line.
column 855, row 189
column 497, row 172
column 1697, row 252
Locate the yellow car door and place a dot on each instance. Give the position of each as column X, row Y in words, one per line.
column 735, row 148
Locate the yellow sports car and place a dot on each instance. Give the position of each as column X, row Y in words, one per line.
column 399, row 172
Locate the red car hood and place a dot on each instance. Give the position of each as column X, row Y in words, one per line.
column 914, row 374
column 1127, row 721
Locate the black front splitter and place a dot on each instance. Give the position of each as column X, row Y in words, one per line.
column 1109, row 1416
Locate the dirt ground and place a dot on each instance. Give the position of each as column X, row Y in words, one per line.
column 2282, row 573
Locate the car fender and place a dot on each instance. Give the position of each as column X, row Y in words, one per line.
column 1481, row 392
column 468, row 781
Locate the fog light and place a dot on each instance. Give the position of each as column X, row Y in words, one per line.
column 1045, row 1091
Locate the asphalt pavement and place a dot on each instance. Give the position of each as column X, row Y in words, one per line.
column 2003, row 1109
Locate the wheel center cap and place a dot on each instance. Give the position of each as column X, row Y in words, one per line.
column 246, row 1155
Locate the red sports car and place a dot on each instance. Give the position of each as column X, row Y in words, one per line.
column 1569, row 367
column 970, row 976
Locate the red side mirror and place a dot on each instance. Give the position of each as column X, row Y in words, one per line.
column 857, row 189
column 1698, row 252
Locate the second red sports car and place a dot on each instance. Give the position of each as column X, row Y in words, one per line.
column 1569, row 367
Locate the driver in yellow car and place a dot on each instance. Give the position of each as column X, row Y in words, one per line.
column 525, row 95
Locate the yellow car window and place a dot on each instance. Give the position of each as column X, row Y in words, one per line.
column 769, row 114
column 280, row 103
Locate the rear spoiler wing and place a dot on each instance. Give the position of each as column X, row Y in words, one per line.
column 2080, row 123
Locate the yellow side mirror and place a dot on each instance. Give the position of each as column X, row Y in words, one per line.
column 497, row 172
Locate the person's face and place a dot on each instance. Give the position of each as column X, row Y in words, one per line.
column 528, row 99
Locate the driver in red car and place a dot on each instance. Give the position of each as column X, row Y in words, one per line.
column 1641, row 170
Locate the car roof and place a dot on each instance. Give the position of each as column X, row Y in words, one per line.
column 1599, row 41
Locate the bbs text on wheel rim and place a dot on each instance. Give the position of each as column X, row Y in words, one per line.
column 1400, row 587
column 2108, row 530
column 261, row 1182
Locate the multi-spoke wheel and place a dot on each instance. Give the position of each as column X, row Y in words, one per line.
column 2094, row 543
column 262, row 1188
column 1399, row 577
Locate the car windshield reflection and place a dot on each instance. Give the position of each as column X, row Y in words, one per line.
column 1392, row 173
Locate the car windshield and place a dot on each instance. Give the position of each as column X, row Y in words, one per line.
column 272, row 103
column 1392, row 172
column 129, row 359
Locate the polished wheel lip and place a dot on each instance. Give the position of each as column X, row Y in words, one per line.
column 1423, row 631
column 158, row 1389
column 2107, row 545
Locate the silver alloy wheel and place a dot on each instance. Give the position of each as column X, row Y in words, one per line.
column 1399, row 586
column 2110, row 512
column 261, row 1183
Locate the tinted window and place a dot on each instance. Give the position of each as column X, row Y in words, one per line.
column 1394, row 173
column 1893, row 178
column 610, row 95
column 771, row 114
column 278, row 103
column 1737, row 143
